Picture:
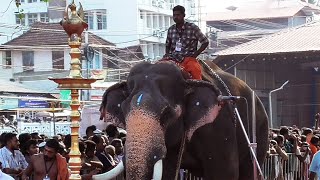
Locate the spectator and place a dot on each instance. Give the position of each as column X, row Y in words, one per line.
column 23, row 139
column 112, row 132
column 89, row 131
column 314, row 142
column 315, row 167
column 31, row 149
column 284, row 131
column 55, row 165
column 12, row 159
column 90, row 162
column 117, row 143
column 99, row 140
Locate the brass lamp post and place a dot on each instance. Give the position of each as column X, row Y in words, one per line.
column 74, row 25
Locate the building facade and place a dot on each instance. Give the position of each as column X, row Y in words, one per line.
column 123, row 22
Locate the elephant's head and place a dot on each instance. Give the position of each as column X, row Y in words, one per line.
column 155, row 102
column 110, row 109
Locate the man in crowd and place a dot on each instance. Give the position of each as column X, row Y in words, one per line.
column 49, row 165
column 315, row 167
column 13, row 161
column 100, row 142
column 182, row 43
column 117, row 143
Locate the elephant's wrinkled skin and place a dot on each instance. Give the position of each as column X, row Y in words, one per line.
column 158, row 105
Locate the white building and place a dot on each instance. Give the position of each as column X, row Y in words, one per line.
column 123, row 22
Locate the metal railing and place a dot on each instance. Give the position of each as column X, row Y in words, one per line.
column 292, row 169
column 274, row 168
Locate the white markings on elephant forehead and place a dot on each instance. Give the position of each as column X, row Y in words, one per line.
column 119, row 105
column 209, row 117
column 146, row 76
column 144, row 133
column 197, row 103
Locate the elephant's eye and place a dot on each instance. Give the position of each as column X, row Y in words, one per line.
column 197, row 103
column 119, row 105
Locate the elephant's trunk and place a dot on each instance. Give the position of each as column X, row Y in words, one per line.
column 145, row 144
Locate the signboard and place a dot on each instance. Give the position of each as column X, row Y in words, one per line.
column 8, row 103
column 24, row 103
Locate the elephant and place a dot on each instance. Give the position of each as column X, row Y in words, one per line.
column 181, row 123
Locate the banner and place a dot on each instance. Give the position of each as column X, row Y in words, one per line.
column 32, row 103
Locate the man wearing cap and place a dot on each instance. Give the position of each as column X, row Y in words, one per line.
column 49, row 165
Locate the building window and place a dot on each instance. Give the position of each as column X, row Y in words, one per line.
column 44, row 17
column 32, row 17
column 97, row 61
column 28, row 60
column 7, row 60
column 57, row 59
column 88, row 18
column 20, row 19
column 102, row 21
column 32, row 1
column 20, row 1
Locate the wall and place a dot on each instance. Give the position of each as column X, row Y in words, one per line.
column 43, row 60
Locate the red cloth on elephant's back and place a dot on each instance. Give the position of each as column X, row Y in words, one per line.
column 190, row 65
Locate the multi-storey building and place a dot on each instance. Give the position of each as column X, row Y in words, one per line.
column 123, row 22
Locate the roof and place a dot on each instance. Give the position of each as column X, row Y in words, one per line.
column 265, row 11
column 131, row 51
column 8, row 86
column 300, row 39
column 52, row 34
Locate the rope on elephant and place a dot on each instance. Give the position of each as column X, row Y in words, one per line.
column 183, row 142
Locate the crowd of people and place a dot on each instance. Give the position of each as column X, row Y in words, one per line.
column 30, row 156
column 293, row 153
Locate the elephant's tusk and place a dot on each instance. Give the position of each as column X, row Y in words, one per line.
column 110, row 174
column 157, row 170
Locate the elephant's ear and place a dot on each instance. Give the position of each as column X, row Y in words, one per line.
column 120, row 89
column 192, row 85
column 201, row 104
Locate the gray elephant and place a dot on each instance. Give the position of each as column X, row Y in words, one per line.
column 172, row 122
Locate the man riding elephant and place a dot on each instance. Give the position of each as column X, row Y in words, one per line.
column 182, row 43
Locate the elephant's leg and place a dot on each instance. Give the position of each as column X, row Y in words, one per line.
column 216, row 148
column 170, row 165
column 221, row 166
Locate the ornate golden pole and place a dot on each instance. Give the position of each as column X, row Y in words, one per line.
column 74, row 26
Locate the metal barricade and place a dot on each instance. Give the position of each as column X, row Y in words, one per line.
column 274, row 168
